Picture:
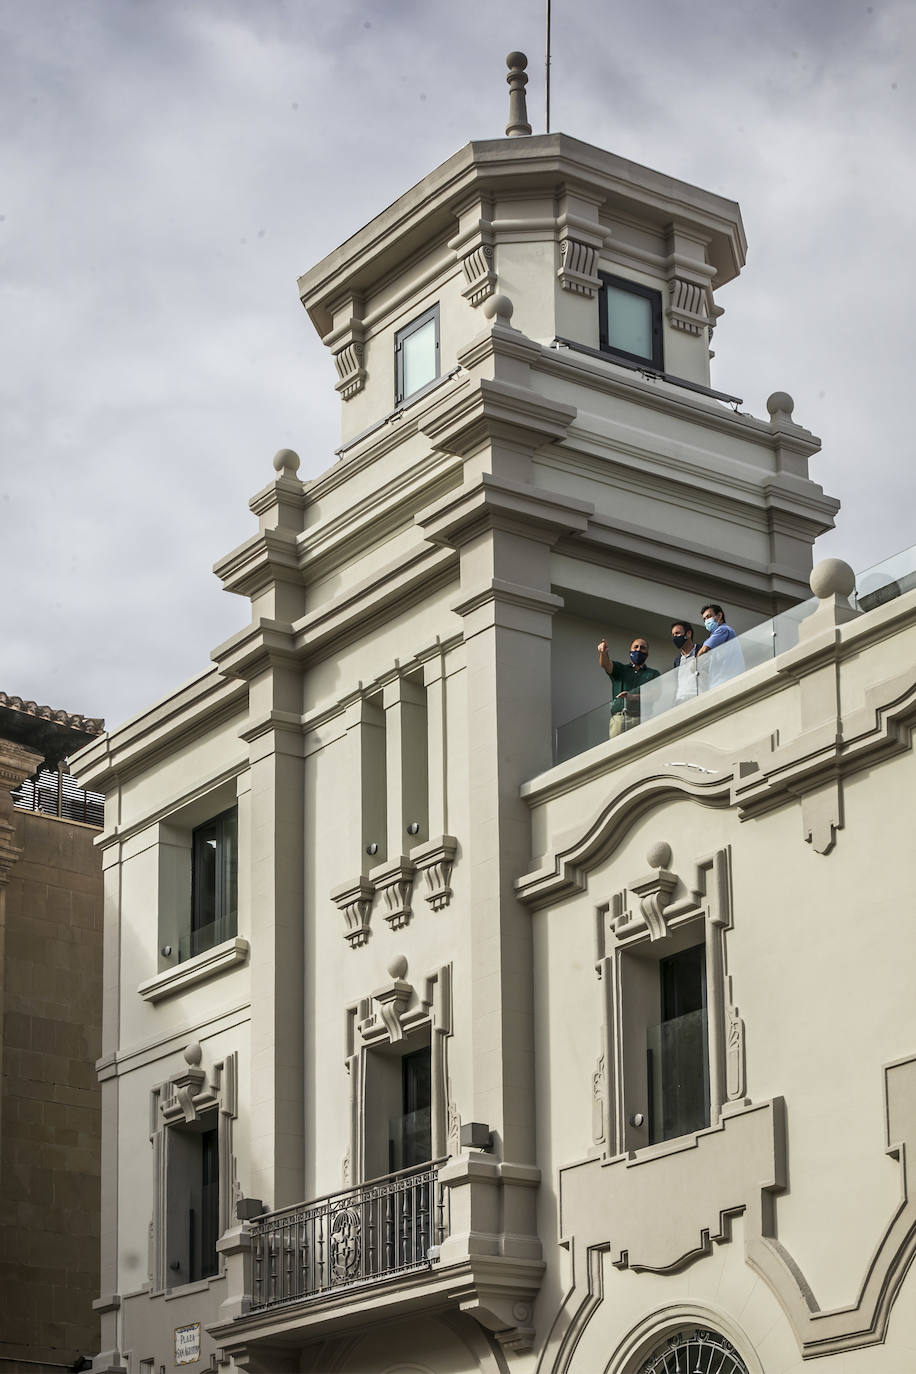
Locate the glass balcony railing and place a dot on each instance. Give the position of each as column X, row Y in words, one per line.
column 874, row 587
column 678, row 1076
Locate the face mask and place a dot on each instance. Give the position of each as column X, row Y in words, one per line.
column 679, row 641
column 710, row 622
column 638, row 656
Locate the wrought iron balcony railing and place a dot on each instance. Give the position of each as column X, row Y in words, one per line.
column 374, row 1231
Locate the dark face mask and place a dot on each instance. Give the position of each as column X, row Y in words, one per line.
column 638, row 657
column 679, row 641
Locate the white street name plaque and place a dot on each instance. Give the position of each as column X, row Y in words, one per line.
column 187, row 1344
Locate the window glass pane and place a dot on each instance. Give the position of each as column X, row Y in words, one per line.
column 629, row 322
column 419, row 358
column 204, row 908
column 229, row 871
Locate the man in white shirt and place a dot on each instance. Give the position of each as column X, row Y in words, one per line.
column 690, row 680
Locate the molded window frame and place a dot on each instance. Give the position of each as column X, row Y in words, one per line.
column 653, row 361
column 636, row 930
column 401, row 335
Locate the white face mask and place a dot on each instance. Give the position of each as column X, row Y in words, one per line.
column 710, row 622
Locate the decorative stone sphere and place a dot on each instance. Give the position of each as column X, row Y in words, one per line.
column 287, row 461
column 780, row 403
column 398, row 967
column 193, row 1055
column 659, row 856
column 516, row 59
column 832, row 577
column 499, row 306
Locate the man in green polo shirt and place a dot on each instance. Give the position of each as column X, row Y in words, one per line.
column 626, row 680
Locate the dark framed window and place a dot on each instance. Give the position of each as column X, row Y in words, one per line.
column 677, row 1049
column 214, row 883
column 410, row 1133
column 192, row 1224
column 630, row 321
column 416, row 355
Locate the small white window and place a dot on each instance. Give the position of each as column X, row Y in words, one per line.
column 416, row 355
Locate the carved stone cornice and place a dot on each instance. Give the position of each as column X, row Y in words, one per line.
column 498, row 502
column 496, row 409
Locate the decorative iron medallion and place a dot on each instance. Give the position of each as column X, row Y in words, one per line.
column 695, row 1352
column 344, row 1244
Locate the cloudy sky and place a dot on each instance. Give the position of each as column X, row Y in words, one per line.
column 169, row 167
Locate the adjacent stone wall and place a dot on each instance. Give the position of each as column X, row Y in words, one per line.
column 50, row 986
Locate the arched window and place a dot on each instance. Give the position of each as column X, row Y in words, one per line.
column 694, row 1351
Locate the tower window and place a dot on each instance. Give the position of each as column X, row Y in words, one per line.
column 630, row 320
column 416, row 355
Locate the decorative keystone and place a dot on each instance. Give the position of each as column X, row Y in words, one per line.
column 518, row 124
column 354, row 902
column 394, row 999
column 654, row 891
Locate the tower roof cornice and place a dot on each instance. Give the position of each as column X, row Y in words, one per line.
column 553, row 163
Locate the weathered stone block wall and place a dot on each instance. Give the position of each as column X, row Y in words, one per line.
column 51, row 989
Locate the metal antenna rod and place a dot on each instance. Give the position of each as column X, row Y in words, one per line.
column 547, row 74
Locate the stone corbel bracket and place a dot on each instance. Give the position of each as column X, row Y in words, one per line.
column 394, row 882
column 347, row 342
column 691, row 309
column 474, row 248
column 580, row 246
column 435, row 860
column 354, row 902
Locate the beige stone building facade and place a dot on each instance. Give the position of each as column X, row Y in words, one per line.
column 51, row 1019
column 442, row 1032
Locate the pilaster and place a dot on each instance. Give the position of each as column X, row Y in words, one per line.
column 277, row 824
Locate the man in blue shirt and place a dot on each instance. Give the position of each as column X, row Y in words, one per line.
column 728, row 661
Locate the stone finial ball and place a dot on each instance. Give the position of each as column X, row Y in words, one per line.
column 516, row 59
column 499, row 306
column 398, row 967
column 193, row 1055
column 832, row 577
column 286, row 461
column 780, row 403
column 659, row 856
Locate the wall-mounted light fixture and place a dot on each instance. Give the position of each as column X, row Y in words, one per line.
column 372, row 848
column 166, row 951
column 475, row 1135
column 413, row 828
